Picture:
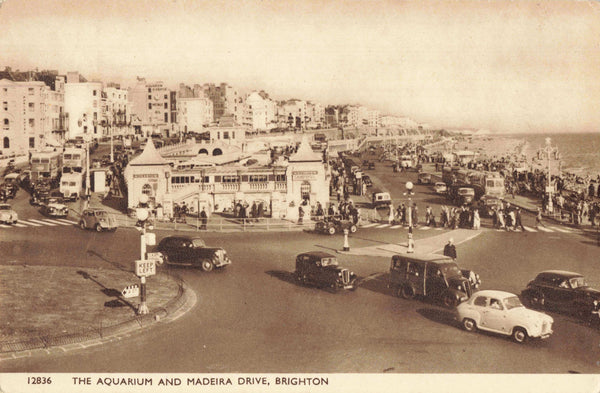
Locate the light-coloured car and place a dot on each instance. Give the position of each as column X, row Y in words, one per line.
column 502, row 312
column 7, row 214
column 98, row 219
column 55, row 208
column 440, row 187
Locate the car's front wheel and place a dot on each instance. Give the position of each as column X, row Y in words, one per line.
column 98, row 228
column 469, row 325
column 206, row 265
column 331, row 230
column 519, row 335
column 353, row 229
column 407, row 292
column 450, row 301
column 81, row 224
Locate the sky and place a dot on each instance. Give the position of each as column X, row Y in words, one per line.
column 505, row 66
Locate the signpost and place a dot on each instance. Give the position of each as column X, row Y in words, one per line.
column 145, row 268
column 131, row 291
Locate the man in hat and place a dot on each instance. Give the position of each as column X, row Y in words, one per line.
column 450, row 249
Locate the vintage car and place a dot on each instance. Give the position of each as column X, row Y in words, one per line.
column 321, row 269
column 461, row 195
column 7, row 214
column 440, row 187
column 54, row 207
column 334, row 225
column 434, row 276
column 368, row 164
column 502, row 312
column 424, row 178
column 192, row 251
column 562, row 291
column 487, row 204
column 381, row 199
column 98, row 219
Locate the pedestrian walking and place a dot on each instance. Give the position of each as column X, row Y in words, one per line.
column 450, row 249
column 476, row 219
column 538, row 219
column 203, row 219
column 518, row 222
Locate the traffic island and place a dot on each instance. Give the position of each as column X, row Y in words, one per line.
column 45, row 306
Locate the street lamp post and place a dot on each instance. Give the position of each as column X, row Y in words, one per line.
column 549, row 150
column 142, row 216
column 409, row 187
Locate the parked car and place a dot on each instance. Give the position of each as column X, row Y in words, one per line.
column 192, row 251
column 54, row 207
column 334, row 225
column 562, row 291
column 440, row 187
column 7, row 214
column 321, row 269
column 98, row 219
column 503, row 313
column 424, row 178
column 434, row 276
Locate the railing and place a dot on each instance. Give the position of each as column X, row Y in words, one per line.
column 221, row 224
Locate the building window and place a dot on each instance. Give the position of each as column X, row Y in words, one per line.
column 166, row 106
column 232, row 134
column 31, row 123
column 6, row 123
column 147, row 189
column 305, row 190
column 6, row 143
column 231, row 179
column 5, row 105
column 149, row 106
column 149, row 96
column 166, row 117
column 225, row 134
column 31, row 91
column 257, row 178
column 32, row 142
column 94, row 93
column 149, row 90
column 280, row 178
column 166, row 98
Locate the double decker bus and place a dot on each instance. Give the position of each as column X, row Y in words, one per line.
column 45, row 166
column 73, row 170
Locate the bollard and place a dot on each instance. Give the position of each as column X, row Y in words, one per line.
column 346, row 245
column 411, row 242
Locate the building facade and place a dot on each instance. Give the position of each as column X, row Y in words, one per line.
column 22, row 116
column 83, row 104
column 194, row 114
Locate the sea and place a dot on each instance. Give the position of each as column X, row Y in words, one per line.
column 579, row 152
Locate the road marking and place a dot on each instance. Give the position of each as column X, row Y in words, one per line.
column 424, row 228
column 369, row 225
column 544, row 229
column 560, row 229
column 20, row 225
column 439, row 229
column 383, row 226
column 529, row 229
column 58, row 222
column 29, row 223
column 395, row 226
column 65, row 220
column 42, row 222
column 4, row 226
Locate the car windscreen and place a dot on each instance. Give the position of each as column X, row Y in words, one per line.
column 577, row 282
column 102, row 214
column 198, row 243
column 450, row 270
column 466, row 191
column 512, row 302
column 329, row 262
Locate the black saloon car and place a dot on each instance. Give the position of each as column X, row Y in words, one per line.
column 562, row 291
column 191, row 251
column 322, row 270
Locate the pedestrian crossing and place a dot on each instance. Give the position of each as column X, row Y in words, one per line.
column 29, row 223
column 546, row 229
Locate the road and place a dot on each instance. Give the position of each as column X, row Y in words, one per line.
column 253, row 317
